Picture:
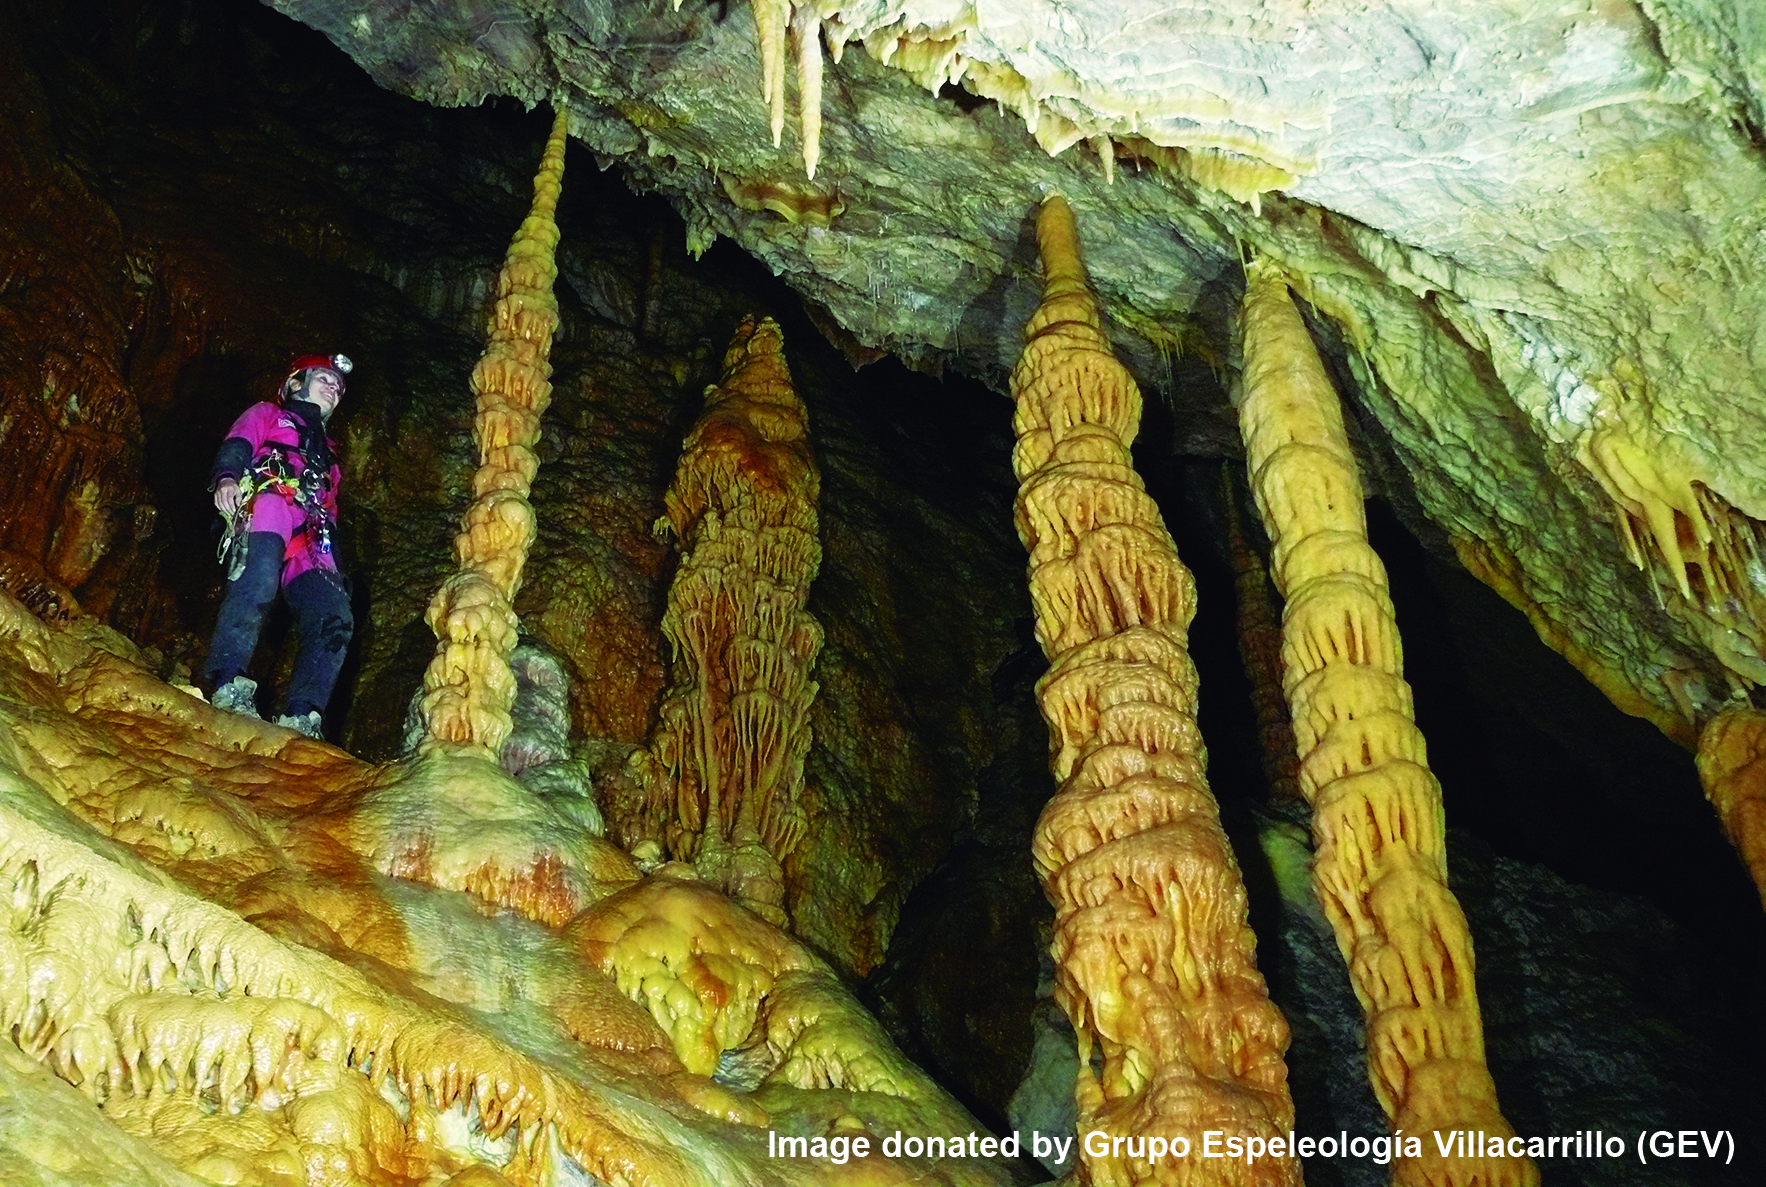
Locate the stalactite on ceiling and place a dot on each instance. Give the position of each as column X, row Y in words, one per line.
column 1704, row 558
column 1381, row 865
column 469, row 687
column 1154, row 954
column 1241, row 165
column 734, row 727
column 1732, row 767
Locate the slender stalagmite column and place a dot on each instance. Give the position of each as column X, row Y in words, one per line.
column 1732, row 767
column 1155, row 957
column 1381, row 865
column 735, row 721
column 469, row 687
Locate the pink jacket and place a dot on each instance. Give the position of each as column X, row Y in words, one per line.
column 263, row 431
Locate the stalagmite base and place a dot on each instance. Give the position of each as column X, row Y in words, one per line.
column 1155, row 957
column 469, row 687
column 735, row 722
column 1381, row 865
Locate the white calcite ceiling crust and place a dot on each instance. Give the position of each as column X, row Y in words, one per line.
column 1537, row 228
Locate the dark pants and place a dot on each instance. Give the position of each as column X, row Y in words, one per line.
column 322, row 624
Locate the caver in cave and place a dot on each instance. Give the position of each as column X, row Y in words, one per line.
column 275, row 480
column 237, row 955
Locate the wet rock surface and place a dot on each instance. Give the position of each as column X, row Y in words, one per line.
column 195, row 193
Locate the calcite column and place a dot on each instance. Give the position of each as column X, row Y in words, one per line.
column 1732, row 767
column 1380, row 871
column 735, row 720
column 1155, row 957
column 469, row 687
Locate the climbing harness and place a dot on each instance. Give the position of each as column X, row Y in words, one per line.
column 274, row 474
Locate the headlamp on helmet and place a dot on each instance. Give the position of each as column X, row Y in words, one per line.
column 296, row 378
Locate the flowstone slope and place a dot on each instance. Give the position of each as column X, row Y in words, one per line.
column 242, row 956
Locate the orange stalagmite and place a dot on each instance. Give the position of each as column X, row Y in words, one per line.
column 1381, row 865
column 469, row 687
column 1732, row 767
column 735, row 721
column 1155, row 956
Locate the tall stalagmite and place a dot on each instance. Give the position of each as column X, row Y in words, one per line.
column 1732, row 767
column 735, row 721
column 1381, row 865
column 469, row 687
column 1155, row 956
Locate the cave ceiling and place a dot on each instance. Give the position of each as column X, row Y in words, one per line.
column 1532, row 231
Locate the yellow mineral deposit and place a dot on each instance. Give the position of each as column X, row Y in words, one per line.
column 212, row 972
column 229, row 954
column 1381, row 865
column 1155, row 957
column 1700, row 553
column 1732, row 767
column 734, row 727
column 1236, row 163
column 469, row 687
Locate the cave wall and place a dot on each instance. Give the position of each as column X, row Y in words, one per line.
column 211, row 190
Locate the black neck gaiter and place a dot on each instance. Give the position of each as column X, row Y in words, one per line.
column 311, row 424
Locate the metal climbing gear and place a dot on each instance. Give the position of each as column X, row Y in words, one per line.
column 231, row 552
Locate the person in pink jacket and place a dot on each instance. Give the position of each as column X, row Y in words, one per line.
column 275, row 479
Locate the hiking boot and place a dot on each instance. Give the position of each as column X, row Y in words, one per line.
column 238, row 695
column 308, row 724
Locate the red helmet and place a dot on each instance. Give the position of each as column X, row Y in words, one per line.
column 297, row 370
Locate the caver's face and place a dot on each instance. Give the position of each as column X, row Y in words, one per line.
column 324, row 388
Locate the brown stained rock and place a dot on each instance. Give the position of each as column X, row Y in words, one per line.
column 1732, row 766
column 122, row 299
column 71, row 447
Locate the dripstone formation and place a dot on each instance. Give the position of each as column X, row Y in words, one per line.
column 1380, row 870
column 469, row 687
column 1155, row 960
column 735, row 722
